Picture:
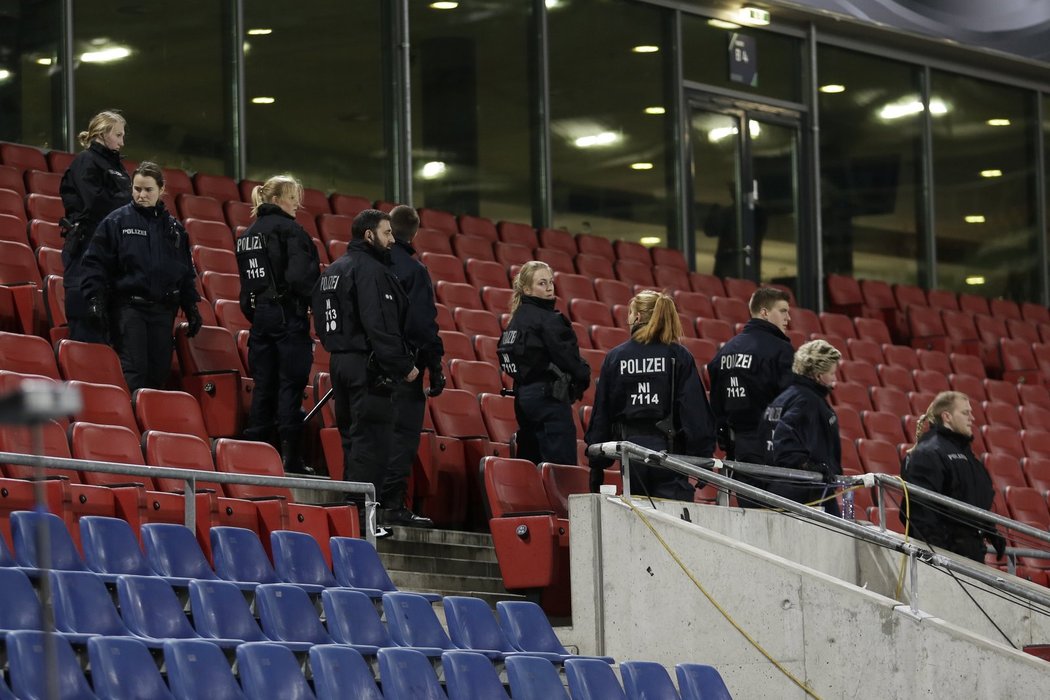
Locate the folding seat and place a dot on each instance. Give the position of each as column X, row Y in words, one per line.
column 634, row 273
column 696, row 681
column 45, row 208
column 455, row 295
column 1036, row 443
column 239, row 557
column 237, row 214
column 930, row 381
column 209, row 233
column 445, row 321
column 920, row 401
column 347, row 204
column 22, row 157
column 12, row 205
column 1019, row 365
column 1034, row 416
column 485, row 273
column 872, row 329
column 851, row 394
column 169, row 411
column 942, row 299
column 737, row 288
column 926, row 329
column 245, row 187
column 879, row 297
column 27, row 354
column 935, row 361
column 967, row 364
column 590, row 313
column 607, row 338
column 218, row 286
column 707, row 284
column 1028, row 506
column 212, row 373
column 1035, row 313
column 412, row 623
column 196, row 207
column 702, row 349
column 878, row 457
column 496, row 299
column 315, row 202
column 425, row 240
column 55, row 305
column 339, row 672
column 510, row 254
column 1032, row 395
column 470, row 675
column 84, row 605
column 590, row 244
column 21, row 298
column 559, row 260
column 408, row 675
column 124, row 668
column 573, row 287
column 298, row 559
column 20, row 607
column 844, row 295
column 1041, row 354
column 475, row 377
column 1003, row 438
column 42, row 234
column 646, row 679
column 714, row 329
column 173, row 550
column 730, row 310
column 217, row 187
column 991, row 330
column 693, row 304
column 562, row 480
column 105, row 404
column 901, row 356
column 896, row 377
column 887, row 427
column 865, row 351
column 467, row 247
column 907, row 295
column 837, row 342
column 1004, row 469
column 457, row 345
column 33, row 675
column 998, row 390
column 270, row 670
column 90, row 362
column 62, row 552
column 891, row 400
column 498, row 413
column 999, row 413
column 671, row 279
column 806, row 321
column 595, row 267
column 515, row 233
column 11, row 179
column 973, row 304
column 1004, row 309
column 334, row 227
column 13, row 228
column 177, row 181
column 473, row 322
column 969, row 385
column 859, row 373
column 439, row 220
column 533, row 678
column 1037, row 473
column 557, row 238
column 1023, row 330
column 41, row 182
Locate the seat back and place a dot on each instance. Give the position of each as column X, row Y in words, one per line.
column 29, row 669
column 150, row 608
column 110, row 547
column 107, row 443
column 534, row 678
column 270, row 670
column 180, row 451
column 469, row 675
column 239, row 555
column 19, row 606
column 297, row 558
column 561, row 481
column 476, row 377
column 412, row 621
column 84, row 605
column 105, row 404
column 27, row 354
column 408, row 675
column 169, row 411
column 471, row 624
column 701, row 682
column 647, row 679
column 250, row 457
column 123, row 669
column 220, row 611
column 63, row 554
column 514, row 486
column 198, row 669
column 356, row 563
column 352, row 618
column 173, row 550
column 527, row 627
column 341, row 672
column 288, row 615
column 590, row 679
column 456, row 414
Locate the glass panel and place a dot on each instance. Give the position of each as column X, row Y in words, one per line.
column 470, row 109
column 774, row 161
column 609, row 150
column 314, row 94
column 715, row 140
column 871, row 166
column 30, row 76
column 157, row 63
column 984, row 187
column 777, row 59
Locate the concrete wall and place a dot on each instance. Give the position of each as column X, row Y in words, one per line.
column 794, row 588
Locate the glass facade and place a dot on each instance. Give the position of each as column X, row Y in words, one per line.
column 30, row 74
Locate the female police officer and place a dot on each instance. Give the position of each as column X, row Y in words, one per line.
column 649, row 393
column 279, row 265
column 539, row 350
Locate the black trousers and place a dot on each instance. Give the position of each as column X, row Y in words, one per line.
column 280, row 353
column 410, row 404
column 143, row 340
column 546, row 431
column 76, row 304
column 365, row 418
column 651, row 480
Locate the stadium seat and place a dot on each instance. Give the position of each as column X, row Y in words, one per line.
column 559, row 260
column 891, row 400
column 859, row 373
column 106, row 404
column 998, row 390
column 62, row 552
column 438, row 220
column 714, row 329
column 897, row 377
column 1036, row 442
column 647, row 679
column 270, row 670
column 475, row 378
column 934, row 360
column 517, row 234
column 237, row 214
column 408, row 675
column 850, row 425
column 212, row 374
column 212, row 233
column 589, row 679
column 45, row 208
column 198, row 669
column 470, row 675
column 930, row 381
column 496, row 299
column 671, row 279
column 455, row 295
column 850, row 394
column 84, row 606
column 607, row 338
column 49, row 261
column 635, row 273
column 510, row 254
column 457, row 345
column 177, row 181
column 428, row 241
column 298, row 558
column 969, row 385
column 837, row 325
column 472, row 322
column 29, row 670
column 352, row 619
column 486, row 273
column 967, row 364
column 730, row 310
column 701, row 682
column 472, row 626
column 239, row 556
column 41, row 182
column 887, row 427
column 20, row 608
column 112, row 547
column 865, row 351
column 498, row 412
column 21, row 295
column 11, row 178
column 245, row 187
column 590, row 313
column 214, row 260
column 90, row 362
column 1035, row 313
column 534, row 678
column 287, row 614
column 1004, row 469
column 879, row 457
column 356, row 564
column 1019, row 365
column 467, row 247
column 1004, row 309
column 1023, row 331
column 737, row 288
column 691, row 303
column 1030, row 394
column 844, row 295
column 44, row 233
column 197, row 207
column 1034, row 416
column 173, row 550
column 412, row 623
column 595, row 267
column 348, row 205
column 999, row 413
column 339, row 672
column 558, row 238
column 1002, row 438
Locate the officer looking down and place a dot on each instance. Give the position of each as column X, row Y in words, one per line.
column 279, row 266
column 649, row 393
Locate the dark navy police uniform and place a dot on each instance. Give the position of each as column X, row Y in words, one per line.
column 139, row 262
column 539, row 339
column 944, row 462
column 803, row 433
column 635, row 390
column 95, row 184
column 359, row 312
column 279, row 266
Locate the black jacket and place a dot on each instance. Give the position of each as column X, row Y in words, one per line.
column 288, row 252
column 143, row 252
column 943, row 462
column 95, row 184
column 635, row 392
column 750, row 370
column 359, row 306
column 421, row 328
column 804, row 428
column 537, row 336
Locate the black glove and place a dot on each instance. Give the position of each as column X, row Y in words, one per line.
column 724, row 438
column 437, row 382
column 597, row 479
column 997, row 541
column 98, row 313
column 193, row 320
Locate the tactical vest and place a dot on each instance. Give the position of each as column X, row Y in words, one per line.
column 253, row 263
column 509, row 350
column 331, row 305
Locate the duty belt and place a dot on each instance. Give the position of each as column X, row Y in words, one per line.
column 139, row 301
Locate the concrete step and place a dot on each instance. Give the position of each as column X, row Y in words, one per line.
column 435, row 535
column 414, row 581
column 479, row 553
column 440, row 565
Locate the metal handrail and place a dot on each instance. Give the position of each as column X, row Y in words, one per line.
column 191, row 476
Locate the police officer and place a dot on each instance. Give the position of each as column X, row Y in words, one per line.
column 95, row 184
column 943, row 461
column 279, row 266
column 421, row 333
column 138, row 272
column 802, row 428
column 749, row 371
column 649, row 393
column 359, row 314
column 540, row 351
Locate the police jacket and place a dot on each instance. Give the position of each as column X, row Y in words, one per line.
column 536, row 337
column 750, row 370
column 943, row 461
column 635, row 390
column 140, row 252
column 804, row 428
column 359, row 306
column 277, row 261
column 421, row 328
column 95, row 184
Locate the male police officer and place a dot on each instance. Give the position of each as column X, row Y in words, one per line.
column 750, row 371
column 359, row 314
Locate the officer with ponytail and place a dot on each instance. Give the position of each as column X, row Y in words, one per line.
column 649, row 393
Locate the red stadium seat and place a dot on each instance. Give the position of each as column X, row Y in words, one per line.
column 595, row 267
column 669, row 257
column 348, row 205
column 707, row 284
column 714, row 329
column 1004, row 309
column 496, row 299
column 485, row 273
column 245, row 187
column 967, row 364
column 13, row 228
column 27, row 354
column 1023, row 330
column 466, row 247
column 1005, row 470
column 22, row 157
column 212, row 373
column 969, row 385
column 837, row 324
column 1032, row 395
column 612, row 292
column 595, row 245
column 942, row 299
column 605, row 338
column 12, row 203
column 890, row 400
column 218, row 286
column 509, row 254
column 169, row 412
column 907, row 295
column 865, row 351
column 1035, row 313
column 737, row 288
column 850, row 458
column 455, row 295
column 1028, row 506
column 431, row 241
column 930, row 381
column 478, row 226
column 214, row 260
column 879, row 425
column 212, row 234
column 1002, row 438
column 630, row 250
column 11, row 179
column 475, row 377
column 334, row 227
column 1019, row 365
column 998, row 413
column 59, row 161
column 859, row 372
column 557, row 238
column 850, row 425
column 897, row 377
column 447, row 268
column 1034, row 417
column 315, row 202
column 471, row 322
column 41, row 182
column 805, row 321
column 105, row 404
column 634, row 273
column 440, row 220
column 879, row 457
column 1037, row 473
column 872, row 329
column 457, row 345
column 518, row 234
column 973, row 304
column 926, row 328
column 672, row 279
column 445, row 321
column 1036, row 443
column 228, row 314
column 559, row 261
column 693, row 304
column 573, row 287
column 49, row 261
column 218, row 187
column 177, row 182
column 850, row 394
column 730, row 310
column 997, row 390
column 590, row 313
column 901, row 356
column 702, row 349
column 844, row 295
column 55, row 304
column 935, row 361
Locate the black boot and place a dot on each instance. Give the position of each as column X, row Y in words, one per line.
column 291, row 455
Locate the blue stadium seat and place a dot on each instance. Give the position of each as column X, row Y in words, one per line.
column 288, row 615
column 29, row 681
column 198, row 669
column 340, row 672
column 528, row 629
column 5, row 692
column 471, row 676
column 471, row 625
column 408, row 675
column 152, row 611
column 239, row 556
column 220, row 611
column 647, row 679
column 83, row 605
column 534, row 678
column 62, row 554
column 270, row 672
column 20, row 608
column 352, row 619
column 173, row 550
column 110, row 547
column 591, row 679
column 356, row 564
column 297, row 558
column 701, row 682
column 413, row 623
column 123, row 669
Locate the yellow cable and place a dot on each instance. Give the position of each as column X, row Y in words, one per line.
column 907, row 526
column 801, row 684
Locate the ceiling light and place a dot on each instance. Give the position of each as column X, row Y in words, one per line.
column 4, row 74
column 259, row 32
column 998, row 122
column 44, row 61
column 754, row 128
column 650, row 240
column 975, row 280
column 604, row 138
column 722, row 24
column 832, row 89
column 755, row 16
column 641, row 166
column 992, row 172
column 444, row 5
column 974, row 218
column 263, row 100
column 721, row 132
column 551, row 4
column 655, row 110
column 645, row 48
column 906, row 108
column 107, row 55
column 433, row 169
column 937, row 107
